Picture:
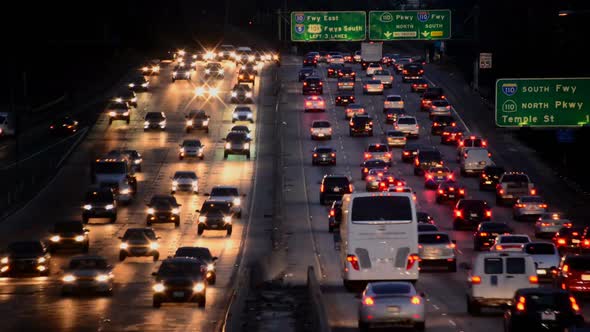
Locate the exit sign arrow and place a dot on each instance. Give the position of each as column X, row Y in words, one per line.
column 387, row 34
column 425, row 34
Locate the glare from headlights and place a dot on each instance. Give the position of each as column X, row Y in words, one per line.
column 227, row 219
column 210, row 267
column 213, row 91
column 119, row 100
column 154, row 245
column 41, row 260
column 159, row 288
column 234, row 94
column 102, row 278
column 199, row 287
column 189, row 122
column 146, row 123
column 207, row 71
column 145, row 84
column 237, row 201
column 4, row 260
column 163, row 123
column 112, row 113
column 125, row 191
column 174, row 73
column 110, row 206
column 175, row 211
column 247, row 146
column 195, row 183
column 175, row 183
column 131, row 85
column 228, row 145
column 248, row 94
column 79, row 238
column 220, row 71
column 202, row 219
column 220, row 53
column 69, row 278
column 232, row 54
column 150, row 211
column 124, row 245
column 87, row 207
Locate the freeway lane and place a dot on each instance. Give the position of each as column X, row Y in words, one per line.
column 26, row 302
column 445, row 291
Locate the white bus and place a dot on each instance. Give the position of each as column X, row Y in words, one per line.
column 379, row 238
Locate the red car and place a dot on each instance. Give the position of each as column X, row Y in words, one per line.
column 450, row 190
column 390, row 180
column 574, row 274
column 451, row 135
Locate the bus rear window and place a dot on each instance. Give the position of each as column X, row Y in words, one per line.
column 381, row 209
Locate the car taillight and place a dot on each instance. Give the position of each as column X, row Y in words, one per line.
column 370, row 178
column 308, row 103
column 412, row 259
column 488, row 213
column 322, row 188
column 545, row 224
column 561, row 241
column 414, row 85
column 415, row 300
column 475, row 280
column 321, row 83
column 499, row 247
column 445, row 133
column 354, row 262
column 575, row 306
column 543, row 206
column 367, row 156
column 462, row 192
column 521, row 305
column 350, row 188
column 451, row 246
column 533, row 279
column 381, row 86
column 482, row 234
column 458, row 213
column 365, row 170
column 368, row 301
column 405, row 71
column 440, row 191
column 332, row 213
column 304, row 83
column 315, row 154
column 435, row 124
column 333, row 154
column 567, row 224
column 520, row 205
column 533, row 191
column 433, row 107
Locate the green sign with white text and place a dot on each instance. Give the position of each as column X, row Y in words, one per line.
column 542, row 102
column 328, row 26
column 410, row 25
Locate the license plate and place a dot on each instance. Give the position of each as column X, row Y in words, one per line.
column 547, row 316
column 585, row 277
column 473, row 215
column 336, row 190
column 345, row 100
column 488, row 182
column 575, row 241
column 482, row 162
column 541, row 272
column 213, row 226
column 321, row 135
column 451, row 196
column 178, row 294
column 393, row 309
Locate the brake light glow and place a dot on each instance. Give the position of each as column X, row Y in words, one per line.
column 367, row 156
column 412, row 259
column 333, row 154
column 533, row 191
column 482, row 234
column 475, row 280
column 350, row 188
column 499, row 247
column 440, row 191
column 416, row 300
column 575, row 305
column 315, row 154
column 353, row 261
column 561, row 241
column 365, row 170
column 368, row 301
column 458, row 213
column 520, row 306
column 332, row 213
column 322, row 188
column 429, row 176
column 488, row 213
column 533, row 280
column 462, row 192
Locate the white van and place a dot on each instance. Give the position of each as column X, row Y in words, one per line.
column 496, row 276
column 379, row 238
column 474, row 160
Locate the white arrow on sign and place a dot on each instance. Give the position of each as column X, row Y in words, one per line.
column 425, row 33
column 387, row 34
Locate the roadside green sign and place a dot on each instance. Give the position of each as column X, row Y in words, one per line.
column 542, row 102
column 328, row 26
column 410, row 25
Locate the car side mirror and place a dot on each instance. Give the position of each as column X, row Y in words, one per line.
column 215, row 258
column 199, row 211
column 155, row 274
column 454, row 241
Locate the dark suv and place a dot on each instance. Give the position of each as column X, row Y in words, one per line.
column 204, row 255
column 25, row 257
column 428, row 96
column 237, row 142
column 197, row 119
column 139, row 242
column 542, row 309
column 333, row 187
column 69, row 234
column 425, row 159
column 490, row 176
column 179, row 279
column 439, row 122
column 215, row 215
column 313, row 85
column 470, row 212
column 99, row 203
column 412, row 71
column 361, row 124
column 163, row 209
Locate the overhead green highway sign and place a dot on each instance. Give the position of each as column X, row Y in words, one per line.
column 328, row 26
column 410, row 25
column 542, row 102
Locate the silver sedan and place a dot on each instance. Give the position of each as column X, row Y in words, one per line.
column 529, row 206
column 550, row 223
column 437, row 249
column 87, row 273
column 391, row 304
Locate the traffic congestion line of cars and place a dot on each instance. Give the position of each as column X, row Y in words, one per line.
column 185, row 276
column 508, row 271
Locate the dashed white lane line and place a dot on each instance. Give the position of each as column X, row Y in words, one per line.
column 452, row 109
column 453, row 324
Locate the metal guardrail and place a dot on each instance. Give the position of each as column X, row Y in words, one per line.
column 319, row 318
column 22, row 180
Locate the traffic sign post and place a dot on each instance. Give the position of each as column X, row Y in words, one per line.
column 485, row 60
column 542, row 102
column 328, row 26
column 410, row 25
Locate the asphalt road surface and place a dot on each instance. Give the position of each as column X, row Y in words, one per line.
column 35, row 304
column 309, row 241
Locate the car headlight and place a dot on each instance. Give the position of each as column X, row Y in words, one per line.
column 4, row 260
column 112, row 113
column 227, row 219
column 235, row 115
column 125, row 113
column 248, row 94
column 145, row 84
column 159, row 288
column 228, row 145
column 162, row 123
column 213, row 91
column 210, row 267
column 189, row 122
column 156, row 68
column 188, row 73
column 199, row 287
column 110, row 206
column 55, row 238
column 146, row 123
column 251, row 58
column 247, row 146
column 207, row 71
column 150, row 211
column 137, row 161
column 249, row 115
column 220, row 71
column 200, row 91
column 124, row 245
column 79, row 238
column 174, row 73
column 175, row 183
column 232, row 54
column 205, row 122
column 154, row 245
column 195, row 184
column 181, row 150
column 237, row 201
column 131, row 85
column 202, row 219
column 41, row 260
column 175, row 211
column 102, row 278
column 87, row 207
column 125, row 191
column 234, row 94
column 68, row 278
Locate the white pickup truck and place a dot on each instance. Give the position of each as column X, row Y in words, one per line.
column 512, row 186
